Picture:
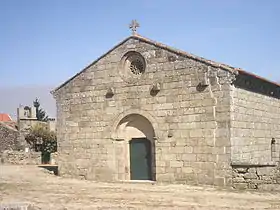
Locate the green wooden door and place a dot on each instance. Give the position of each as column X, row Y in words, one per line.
column 140, row 159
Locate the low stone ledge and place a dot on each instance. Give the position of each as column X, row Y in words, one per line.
column 262, row 177
column 20, row 158
column 244, row 164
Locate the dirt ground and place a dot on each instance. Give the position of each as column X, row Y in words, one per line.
column 30, row 184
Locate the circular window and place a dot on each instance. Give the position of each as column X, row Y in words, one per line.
column 132, row 66
column 136, row 67
column 135, row 63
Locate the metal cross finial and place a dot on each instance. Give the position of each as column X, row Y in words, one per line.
column 133, row 26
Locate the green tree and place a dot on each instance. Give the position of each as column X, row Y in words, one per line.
column 41, row 139
column 40, row 113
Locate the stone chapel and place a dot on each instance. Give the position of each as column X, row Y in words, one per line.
column 147, row 111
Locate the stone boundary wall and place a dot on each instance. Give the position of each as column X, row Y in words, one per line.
column 262, row 177
column 20, row 158
column 8, row 138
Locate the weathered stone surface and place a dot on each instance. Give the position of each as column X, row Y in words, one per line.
column 262, row 171
column 255, row 121
column 238, row 179
column 242, row 170
column 240, row 186
column 250, row 176
column 256, row 177
column 20, row 158
column 195, row 132
column 8, row 138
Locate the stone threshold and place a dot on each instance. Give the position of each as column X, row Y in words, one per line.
column 138, row 181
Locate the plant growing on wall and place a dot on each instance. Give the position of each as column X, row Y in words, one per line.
column 41, row 139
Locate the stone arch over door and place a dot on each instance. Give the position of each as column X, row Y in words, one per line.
column 140, row 112
column 130, row 130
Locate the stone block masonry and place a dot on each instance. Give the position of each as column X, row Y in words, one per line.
column 255, row 135
column 197, row 121
column 192, row 133
column 255, row 127
column 20, row 158
column 263, row 177
column 8, row 138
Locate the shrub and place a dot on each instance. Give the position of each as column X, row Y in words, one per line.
column 40, row 138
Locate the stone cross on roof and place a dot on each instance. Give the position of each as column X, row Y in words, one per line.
column 133, row 26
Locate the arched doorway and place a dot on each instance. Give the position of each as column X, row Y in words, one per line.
column 135, row 148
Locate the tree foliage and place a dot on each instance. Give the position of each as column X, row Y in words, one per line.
column 40, row 138
column 40, row 113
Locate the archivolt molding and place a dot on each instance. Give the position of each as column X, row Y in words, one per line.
column 143, row 113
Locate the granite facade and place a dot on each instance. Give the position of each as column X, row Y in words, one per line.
column 255, row 128
column 190, row 120
column 263, row 177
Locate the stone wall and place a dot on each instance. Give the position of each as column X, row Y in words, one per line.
column 263, row 177
column 255, row 123
column 54, row 157
column 25, row 124
column 8, row 138
column 20, row 158
column 192, row 138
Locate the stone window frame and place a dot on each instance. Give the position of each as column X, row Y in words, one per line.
column 124, row 67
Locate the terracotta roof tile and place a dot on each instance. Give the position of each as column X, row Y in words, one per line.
column 5, row 117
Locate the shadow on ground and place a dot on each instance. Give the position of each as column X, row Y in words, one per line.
column 53, row 168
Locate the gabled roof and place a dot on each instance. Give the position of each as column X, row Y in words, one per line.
column 176, row 51
column 5, row 117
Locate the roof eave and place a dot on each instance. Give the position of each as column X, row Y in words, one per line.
column 95, row 61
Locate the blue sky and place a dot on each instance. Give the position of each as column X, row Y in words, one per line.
column 46, row 42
